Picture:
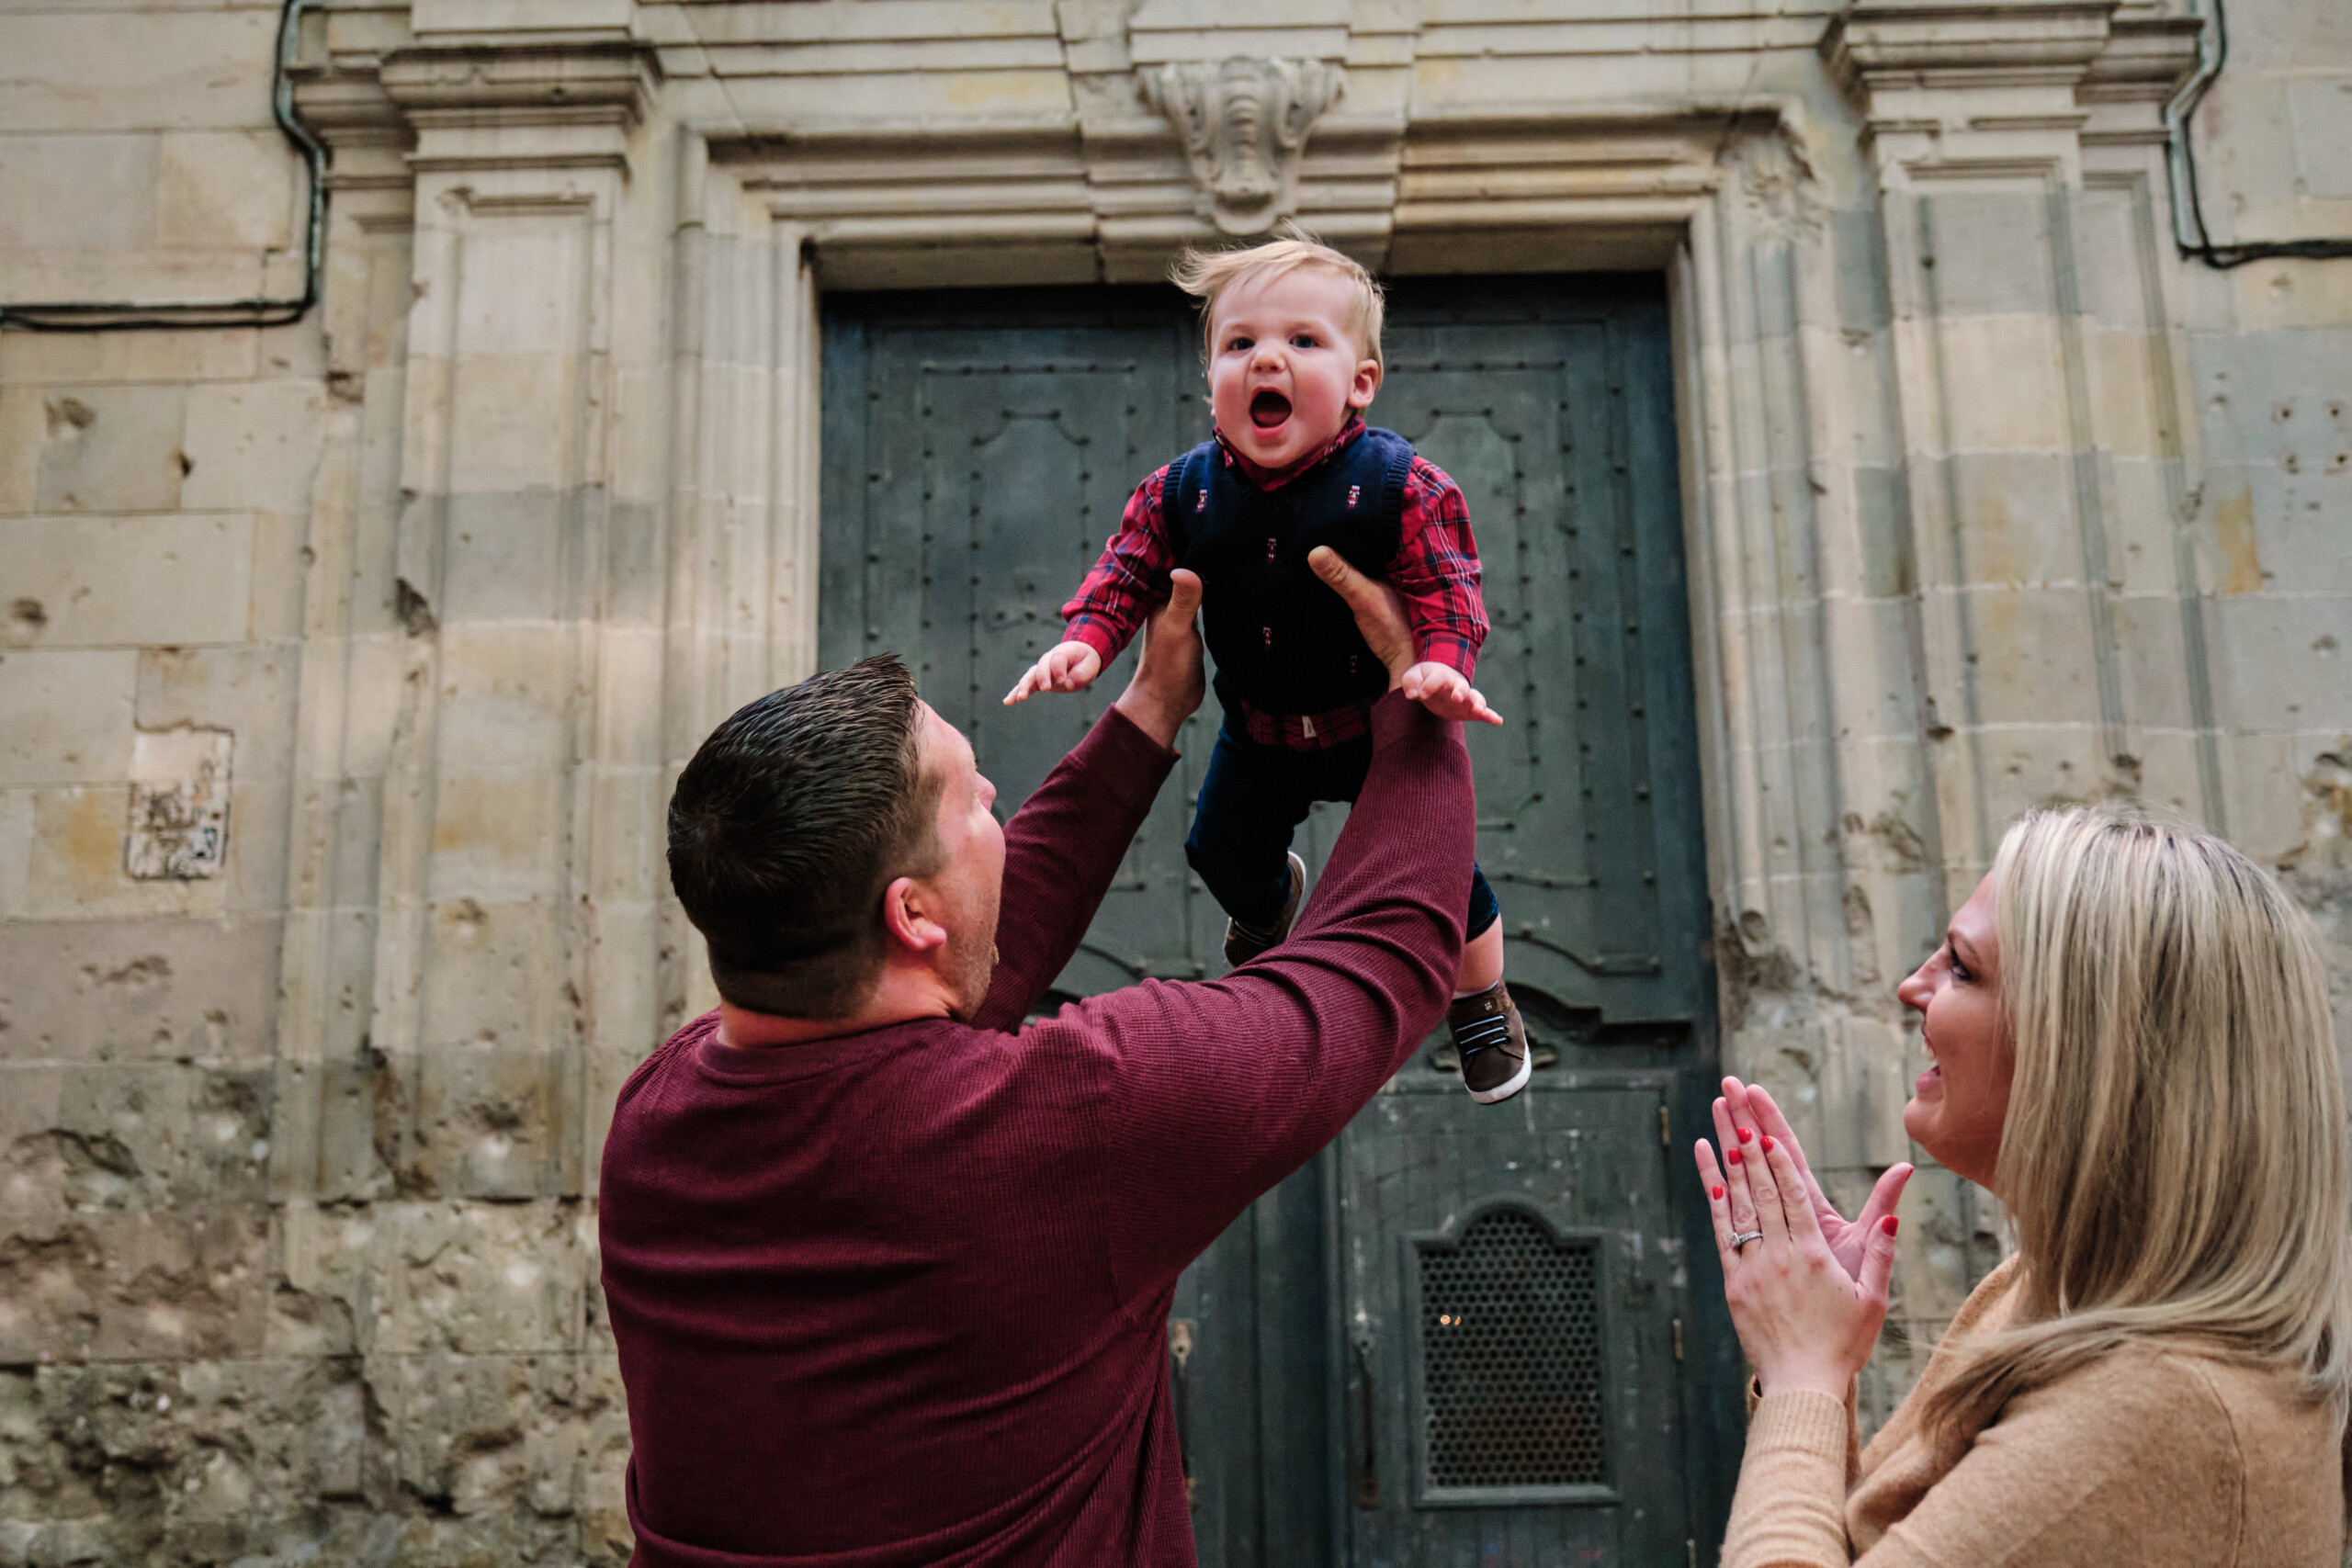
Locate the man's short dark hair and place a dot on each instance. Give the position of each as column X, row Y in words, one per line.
column 787, row 826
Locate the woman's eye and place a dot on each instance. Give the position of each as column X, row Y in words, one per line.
column 1959, row 971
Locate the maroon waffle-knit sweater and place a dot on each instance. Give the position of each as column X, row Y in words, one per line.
column 900, row 1297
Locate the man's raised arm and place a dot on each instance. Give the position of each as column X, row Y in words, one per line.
column 1066, row 843
column 1212, row 1092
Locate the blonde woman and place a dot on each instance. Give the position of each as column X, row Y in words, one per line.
column 2130, row 1031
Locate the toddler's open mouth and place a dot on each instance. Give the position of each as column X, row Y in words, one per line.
column 1268, row 408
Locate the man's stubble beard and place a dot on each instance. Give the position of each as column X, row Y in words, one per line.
column 972, row 965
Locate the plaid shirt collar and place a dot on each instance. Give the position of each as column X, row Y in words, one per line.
column 1269, row 479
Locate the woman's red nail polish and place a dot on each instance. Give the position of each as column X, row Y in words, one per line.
column 1889, row 1224
column 1732, row 1154
column 1719, row 1194
column 1768, row 1146
column 1747, row 1133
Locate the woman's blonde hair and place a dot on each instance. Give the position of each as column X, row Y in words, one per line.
column 2174, row 1157
column 1206, row 275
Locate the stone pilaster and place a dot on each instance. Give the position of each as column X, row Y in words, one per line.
column 2037, row 448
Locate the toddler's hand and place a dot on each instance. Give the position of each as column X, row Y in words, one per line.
column 1067, row 667
column 1447, row 692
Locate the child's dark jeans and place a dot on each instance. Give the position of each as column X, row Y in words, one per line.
column 1251, row 801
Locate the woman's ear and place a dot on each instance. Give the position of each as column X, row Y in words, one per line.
column 904, row 918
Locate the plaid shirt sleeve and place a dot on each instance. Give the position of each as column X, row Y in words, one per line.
column 1130, row 580
column 1437, row 571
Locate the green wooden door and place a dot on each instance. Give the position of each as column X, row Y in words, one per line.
column 1465, row 1334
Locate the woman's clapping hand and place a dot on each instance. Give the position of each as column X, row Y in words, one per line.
column 1808, row 1294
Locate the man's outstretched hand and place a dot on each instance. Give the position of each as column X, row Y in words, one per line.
column 1380, row 616
column 1169, row 681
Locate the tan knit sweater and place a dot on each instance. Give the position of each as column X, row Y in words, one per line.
column 2149, row 1456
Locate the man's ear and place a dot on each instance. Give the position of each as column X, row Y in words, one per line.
column 1367, row 383
column 904, row 917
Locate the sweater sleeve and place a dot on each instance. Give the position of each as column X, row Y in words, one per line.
column 1211, row 1092
column 1061, row 849
column 2132, row 1460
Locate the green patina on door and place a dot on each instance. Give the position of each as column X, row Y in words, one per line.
column 1465, row 1333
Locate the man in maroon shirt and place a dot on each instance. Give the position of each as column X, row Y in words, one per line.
column 888, row 1263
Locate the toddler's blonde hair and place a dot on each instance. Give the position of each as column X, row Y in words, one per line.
column 1206, row 275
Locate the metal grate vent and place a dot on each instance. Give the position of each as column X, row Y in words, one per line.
column 1511, row 1357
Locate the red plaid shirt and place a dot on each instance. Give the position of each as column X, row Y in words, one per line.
column 1436, row 570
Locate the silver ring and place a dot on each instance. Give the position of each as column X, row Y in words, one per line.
column 1744, row 1237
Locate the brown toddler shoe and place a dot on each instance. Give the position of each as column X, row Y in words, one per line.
column 1492, row 1044
column 1243, row 943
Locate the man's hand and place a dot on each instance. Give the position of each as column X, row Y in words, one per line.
column 1380, row 616
column 1447, row 692
column 1067, row 667
column 1379, row 610
column 1169, row 681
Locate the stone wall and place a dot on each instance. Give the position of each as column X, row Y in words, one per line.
column 420, row 600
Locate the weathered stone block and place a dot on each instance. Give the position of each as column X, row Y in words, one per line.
column 2278, row 520
column 2031, row 653
column 76, row 869
column 2021, row 355
column 2152, row 663
column 479, row 1279
column 2031, row 765
column 2255, row 387
column 47, row 183
column 253, row 445
column 113, row 449
column 2286, row 665
column 495, row 1123
column 66, row 360
column 227, row 190
column 1992, row 252
column 248, row 692
column 134, row 1284
column 496, row 974
column 486, row 1436
column 24, row 425
column 506, row 697
column 95, row 989
column 127, row 581
column 508, row 554
column 148, row 1135
column 322, row 1280
column 172, row 69
column 64, row 715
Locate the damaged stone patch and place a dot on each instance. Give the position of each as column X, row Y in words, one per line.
column 179, row 803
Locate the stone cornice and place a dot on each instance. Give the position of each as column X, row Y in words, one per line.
column 524, row 83
column 1871, row 46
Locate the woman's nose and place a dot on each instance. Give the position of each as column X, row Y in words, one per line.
column 1915, row 992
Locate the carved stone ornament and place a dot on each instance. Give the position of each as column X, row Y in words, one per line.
column 1244, row 124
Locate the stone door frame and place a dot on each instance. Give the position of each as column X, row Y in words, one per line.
column 551, row 303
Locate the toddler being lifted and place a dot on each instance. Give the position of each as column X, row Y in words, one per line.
column 1292, row 339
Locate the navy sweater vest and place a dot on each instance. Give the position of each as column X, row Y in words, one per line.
column 1282, row 641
